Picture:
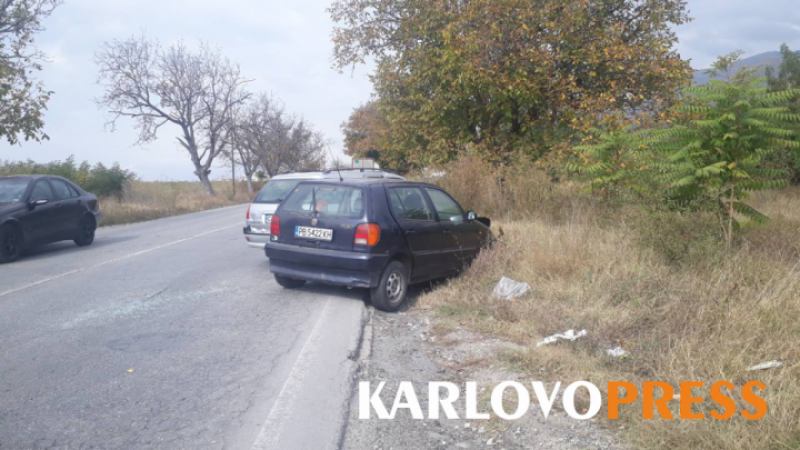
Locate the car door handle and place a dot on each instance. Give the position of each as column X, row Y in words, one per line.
column 446, row 231
column 411, row 231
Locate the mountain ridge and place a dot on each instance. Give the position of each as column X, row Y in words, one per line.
column 762, row 61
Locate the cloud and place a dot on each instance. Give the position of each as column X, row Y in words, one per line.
column 720, row 27
column 285, row 47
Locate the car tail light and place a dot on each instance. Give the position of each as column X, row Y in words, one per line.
column 367, row 234
column 275, row 226
column 248, row 211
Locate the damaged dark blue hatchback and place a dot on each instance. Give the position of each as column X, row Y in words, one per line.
column 372, row 233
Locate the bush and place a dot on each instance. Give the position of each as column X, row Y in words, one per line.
column 100, row 180
column 681, row 313
column 516, row 191
column 681, row 239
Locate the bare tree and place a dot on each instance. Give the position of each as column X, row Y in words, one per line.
column 270, row 139
column 195, row 91
column 245, row 135
column 306, row 147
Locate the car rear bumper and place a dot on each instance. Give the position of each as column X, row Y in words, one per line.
column 340, row 268
column 255, row 240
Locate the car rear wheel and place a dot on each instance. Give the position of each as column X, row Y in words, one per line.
column 10, row 244
column 390, row 294
column 86, row 232
column 289, row 283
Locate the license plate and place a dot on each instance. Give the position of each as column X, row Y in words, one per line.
column 319, row 234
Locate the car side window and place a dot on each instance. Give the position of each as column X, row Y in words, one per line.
column 407, row 203
column 42, row 191
column 447, row 208
column 73, row 191
column 61, row 189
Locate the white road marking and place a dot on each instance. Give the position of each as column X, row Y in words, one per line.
column 270, row 434
column 121, row 258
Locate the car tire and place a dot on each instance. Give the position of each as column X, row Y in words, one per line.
column 392, row 289
column 87, row 230
column 289, row 283
column 11, row 242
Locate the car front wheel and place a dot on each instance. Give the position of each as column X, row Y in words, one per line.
column 10, row 244
column 390, row 294
column 289, row 283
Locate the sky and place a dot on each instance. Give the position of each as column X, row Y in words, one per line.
column 284, row 46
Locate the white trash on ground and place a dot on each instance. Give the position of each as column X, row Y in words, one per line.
column 569, row 335
column 617, row 352
column 766, row 365
column 510, row 289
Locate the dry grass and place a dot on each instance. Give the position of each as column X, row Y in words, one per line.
column 153, row 200
column 661, row 287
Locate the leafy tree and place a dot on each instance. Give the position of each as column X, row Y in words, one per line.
column 788, row 77
column 614, row 160
column 365, row 131
column 98, row 179
column 788, row 73
column 712, row 156
column 22, row 99
column 502, row 75
column 370, row 132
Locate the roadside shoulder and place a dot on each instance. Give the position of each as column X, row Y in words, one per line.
column 405, row 348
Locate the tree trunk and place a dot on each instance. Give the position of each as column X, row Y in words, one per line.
column 250, row 183
column 730, row 219
column 233, row 177
column 206, row 182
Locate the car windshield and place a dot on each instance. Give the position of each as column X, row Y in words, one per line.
column 12, row 189
column 275, row 191
column 327, row 201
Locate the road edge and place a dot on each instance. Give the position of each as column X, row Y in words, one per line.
column 320, row 384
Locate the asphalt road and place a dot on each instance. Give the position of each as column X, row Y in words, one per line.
column 171, row 334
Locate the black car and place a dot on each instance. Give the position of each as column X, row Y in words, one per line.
column 37, row 209
column 376, row 234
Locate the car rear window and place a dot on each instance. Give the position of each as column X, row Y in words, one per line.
column 326, row 201
column 275, row 191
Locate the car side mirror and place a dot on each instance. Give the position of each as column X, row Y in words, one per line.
column 34, row 203
column 471, row 216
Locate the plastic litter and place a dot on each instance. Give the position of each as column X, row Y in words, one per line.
column 569, row 335
column 617, row 352
column 766, row 365
column 510, row 289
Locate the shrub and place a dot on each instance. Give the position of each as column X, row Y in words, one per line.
column 100, row 180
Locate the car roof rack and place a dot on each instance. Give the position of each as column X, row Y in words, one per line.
column 360, row 169
column 347, row 169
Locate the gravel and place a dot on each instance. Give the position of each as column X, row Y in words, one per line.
column 401, row 347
